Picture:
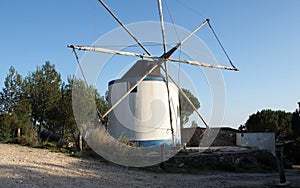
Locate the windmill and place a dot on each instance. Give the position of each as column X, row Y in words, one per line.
column 144, row 83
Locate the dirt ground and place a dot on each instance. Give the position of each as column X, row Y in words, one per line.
column 32, row 168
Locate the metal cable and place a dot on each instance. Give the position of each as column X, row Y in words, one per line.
column 85, row 80
column 172, row 20
column 221, row 45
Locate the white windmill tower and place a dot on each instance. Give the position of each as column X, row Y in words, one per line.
column 144, row 102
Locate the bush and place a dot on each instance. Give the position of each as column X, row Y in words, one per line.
column 292, row 153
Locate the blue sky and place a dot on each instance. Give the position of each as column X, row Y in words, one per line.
column 262, row 38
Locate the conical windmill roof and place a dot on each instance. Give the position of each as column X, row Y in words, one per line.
column 142, row 67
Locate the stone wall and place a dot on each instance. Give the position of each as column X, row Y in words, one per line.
column 250, row 160
column 192, row 136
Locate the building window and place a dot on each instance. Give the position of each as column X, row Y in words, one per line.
column 130, row 85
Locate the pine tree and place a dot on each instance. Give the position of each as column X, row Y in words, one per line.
column 186, row 110
column 43, row 90
column 15, row 108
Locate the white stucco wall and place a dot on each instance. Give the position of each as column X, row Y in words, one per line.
column 257, row 140
column 144, row 114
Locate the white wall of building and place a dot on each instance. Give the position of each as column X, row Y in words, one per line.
column 258, row 140
column 144, row 114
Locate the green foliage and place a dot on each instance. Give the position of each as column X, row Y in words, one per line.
column 41, row 106
column 292, row 152
column 102, row 105
column 296, row 124
column 43, row 90
column 286, row 126
column 69, row 131
column 293, row 149
column 12, row 92
column 84, row 106
column 15, row 108
column 185, row 107
column 7, row 127
column 270, row 121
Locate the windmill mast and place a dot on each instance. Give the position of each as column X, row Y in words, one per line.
column 162, row 25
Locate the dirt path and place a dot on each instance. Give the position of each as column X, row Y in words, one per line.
column 31, row 168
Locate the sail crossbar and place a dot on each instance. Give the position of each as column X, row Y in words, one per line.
column 117, row 52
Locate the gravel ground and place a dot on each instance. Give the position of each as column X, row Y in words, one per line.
column 32, row 168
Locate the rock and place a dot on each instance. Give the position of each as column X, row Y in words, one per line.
column 181, row 165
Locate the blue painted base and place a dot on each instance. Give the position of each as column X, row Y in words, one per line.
column 153, row 143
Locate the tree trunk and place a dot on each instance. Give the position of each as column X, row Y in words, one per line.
column 40, row 132
column 19, row 133
column 80, row 142
column 63, row 131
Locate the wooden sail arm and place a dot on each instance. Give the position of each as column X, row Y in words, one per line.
column 196, row 63
column 109, row 51
column 168, row 54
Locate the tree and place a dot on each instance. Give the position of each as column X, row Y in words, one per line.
column 292, row 149
column 86, row 104
column 278, row 122
column 11, row 94
column 67, row 129
column 43, row 107
column 102, row 105
column 15, row 108
column 194, row 124
column 7, row 127
column 242, row 128
column 43, row 90
column 185, row 107
column 296, row 123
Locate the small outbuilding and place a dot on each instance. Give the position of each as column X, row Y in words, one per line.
column 261, row 140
